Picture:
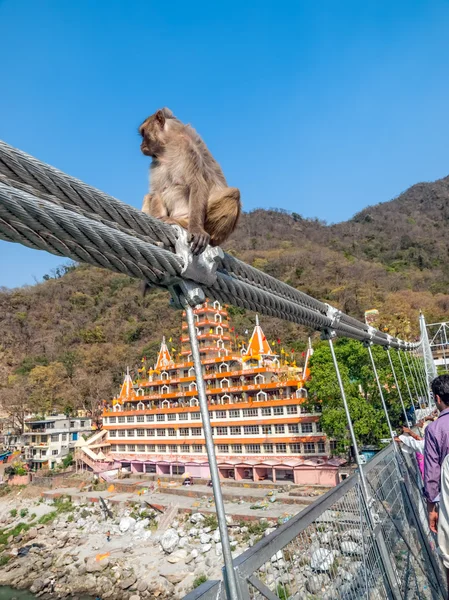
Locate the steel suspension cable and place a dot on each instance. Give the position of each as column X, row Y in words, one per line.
column 398, row 388
column 426, row 386
column 420, row 368
column 418, row 377
column 405, row 378
column 382, row 398
column 413, row 379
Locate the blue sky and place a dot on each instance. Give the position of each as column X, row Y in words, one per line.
column 319, row 108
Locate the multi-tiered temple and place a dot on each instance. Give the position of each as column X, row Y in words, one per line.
column 262, row 423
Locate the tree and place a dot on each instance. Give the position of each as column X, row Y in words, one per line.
column 15, row 402
column 48, row 387
column 362, row 393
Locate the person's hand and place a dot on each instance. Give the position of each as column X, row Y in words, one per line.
column 397, row 440
column 407, row 430
column 432, row 511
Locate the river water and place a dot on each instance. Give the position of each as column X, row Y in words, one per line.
column 7, row 593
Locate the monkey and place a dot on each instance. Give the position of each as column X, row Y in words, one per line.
column 187, row 185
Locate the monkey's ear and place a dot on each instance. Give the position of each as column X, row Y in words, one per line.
column 168, row 113
column 160, row 118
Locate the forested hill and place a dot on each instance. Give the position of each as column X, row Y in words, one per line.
column 67, row 340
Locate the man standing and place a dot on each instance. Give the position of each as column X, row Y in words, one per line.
column 436, row 468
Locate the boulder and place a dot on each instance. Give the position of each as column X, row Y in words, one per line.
column 32, row 533
column 128, row 582
column 197, row 518
column 216, row 536
column 134, row 597
column 173, row 574
column 169, row 541
column 315, row 583
column 177, row 556
column 322, row 559
column 127, row 524
column 326, row 537
column 142, row 586
column 206, row 548
column 160, row 587
column 94, row 566
column 38, row 586
column 205, row 538
column 351, row 548
column 352, row 534
column 141, row 526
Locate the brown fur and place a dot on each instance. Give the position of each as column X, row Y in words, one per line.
column 187, row 184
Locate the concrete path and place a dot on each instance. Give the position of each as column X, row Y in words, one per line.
column 236, row 493
column 238, row 509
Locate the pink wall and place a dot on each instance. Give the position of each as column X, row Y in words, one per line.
column 137, row 467
column 18, row 480
column 163, row 469
column 316, row 476
column 242, row 472
column 202, row 471
column 263, row 473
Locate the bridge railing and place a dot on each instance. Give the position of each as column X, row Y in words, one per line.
column 340, row 548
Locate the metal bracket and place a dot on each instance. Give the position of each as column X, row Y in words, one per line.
column 186, row 292
column 329, row 333
column 388, row 344
column 201, row 268
column 371, row 333
column 334, row 314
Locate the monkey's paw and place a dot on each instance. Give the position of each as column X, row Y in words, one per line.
column 199, row 240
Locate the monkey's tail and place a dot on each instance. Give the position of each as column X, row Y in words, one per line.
column 223, row 213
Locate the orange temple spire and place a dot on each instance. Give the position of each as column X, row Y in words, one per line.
column 258, row 344
column 164, row 358
column 127, row 391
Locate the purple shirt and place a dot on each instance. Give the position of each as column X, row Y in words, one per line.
column 436, row 448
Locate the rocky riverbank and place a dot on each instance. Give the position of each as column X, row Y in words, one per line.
column 60, row 550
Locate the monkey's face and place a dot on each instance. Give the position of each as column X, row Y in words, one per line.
column 151, row 131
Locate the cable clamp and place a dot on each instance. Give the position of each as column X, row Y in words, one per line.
column 202, row 268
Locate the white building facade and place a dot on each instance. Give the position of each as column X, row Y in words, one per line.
column 48, row 441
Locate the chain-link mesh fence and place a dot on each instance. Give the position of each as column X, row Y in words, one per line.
column 348, row 545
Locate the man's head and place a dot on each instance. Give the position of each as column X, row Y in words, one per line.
column 440, row 389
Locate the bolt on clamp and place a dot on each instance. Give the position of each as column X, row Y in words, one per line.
column 371, row 332
column 333, row 313
column 201, row 268
column 196, row 270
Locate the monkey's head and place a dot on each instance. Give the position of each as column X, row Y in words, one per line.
column 152, row 131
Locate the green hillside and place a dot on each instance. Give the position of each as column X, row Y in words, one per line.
column 65, row 342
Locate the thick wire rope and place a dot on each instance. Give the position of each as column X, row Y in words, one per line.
column 21, row 168
column 73, row 219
